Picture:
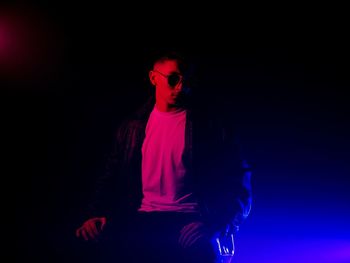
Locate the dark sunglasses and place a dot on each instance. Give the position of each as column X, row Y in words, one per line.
column 173, row 78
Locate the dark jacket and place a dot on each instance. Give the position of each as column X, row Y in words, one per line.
column 220, row 177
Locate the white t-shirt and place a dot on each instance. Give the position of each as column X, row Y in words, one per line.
column 164, row 176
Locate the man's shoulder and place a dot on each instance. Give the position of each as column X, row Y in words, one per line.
column 130, row 123
column 138, row 117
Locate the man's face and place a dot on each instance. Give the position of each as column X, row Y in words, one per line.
column 167, row 79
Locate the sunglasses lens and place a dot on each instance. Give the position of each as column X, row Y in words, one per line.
column 174, row 79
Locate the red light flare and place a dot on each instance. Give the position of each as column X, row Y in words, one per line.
column 28, row 44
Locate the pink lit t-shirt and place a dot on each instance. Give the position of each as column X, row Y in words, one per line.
column 164, row 175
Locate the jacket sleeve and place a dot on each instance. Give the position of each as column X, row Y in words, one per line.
column 237, row 188
column 104, row 196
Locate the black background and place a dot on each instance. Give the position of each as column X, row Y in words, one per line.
column 83, row 66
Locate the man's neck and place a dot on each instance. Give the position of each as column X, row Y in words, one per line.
column 163, row 107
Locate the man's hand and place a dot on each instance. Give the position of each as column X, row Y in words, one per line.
column 192, row 233
column 91, row 228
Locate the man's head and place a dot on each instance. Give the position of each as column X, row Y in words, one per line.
column 168, row 76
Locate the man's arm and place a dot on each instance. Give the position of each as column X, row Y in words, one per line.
column 104, row 195
column 238, row 188
column 98, row 210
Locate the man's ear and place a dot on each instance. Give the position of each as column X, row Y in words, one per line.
column 152, row 77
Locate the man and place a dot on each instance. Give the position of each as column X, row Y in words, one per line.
column 174, row 180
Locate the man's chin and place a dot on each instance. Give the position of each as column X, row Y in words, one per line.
column 179, row 104
column 173, row 102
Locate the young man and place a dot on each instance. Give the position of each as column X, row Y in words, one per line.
column 174, row 180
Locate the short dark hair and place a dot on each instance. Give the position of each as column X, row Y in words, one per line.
column 161, row 57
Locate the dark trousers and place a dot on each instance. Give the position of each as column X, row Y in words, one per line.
column 153, row 237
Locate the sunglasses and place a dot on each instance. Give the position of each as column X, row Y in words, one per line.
column 173, row 78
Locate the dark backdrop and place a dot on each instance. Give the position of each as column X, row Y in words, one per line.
column 72, row 71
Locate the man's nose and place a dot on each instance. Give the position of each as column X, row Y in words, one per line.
column 178, row 87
